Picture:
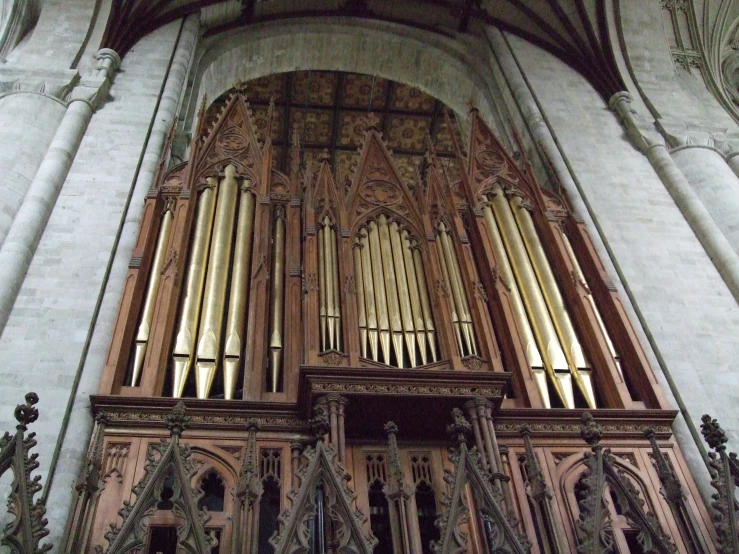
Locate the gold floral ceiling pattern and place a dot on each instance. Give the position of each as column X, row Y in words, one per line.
column 329, row 111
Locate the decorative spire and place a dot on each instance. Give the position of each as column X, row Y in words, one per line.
column 27, row 413
column 590, row 431
column 177, row 421
column 460, row 429
column 320, row 423
column 372, row 122
column 713, row 434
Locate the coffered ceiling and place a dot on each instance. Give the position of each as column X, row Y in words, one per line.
column 328, row 111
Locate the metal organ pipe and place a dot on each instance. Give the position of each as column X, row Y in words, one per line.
column 425, row 302
column 278, row 297
column 392, row 285
column 329, row 287
column 211, row 322
column 579, row 366
column 546, row 336
column 239, row 294
column 519, row 312
column 142, row 334
column 468, row 347
column 190, row 310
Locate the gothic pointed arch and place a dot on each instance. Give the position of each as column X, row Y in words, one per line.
column 322, row 469
column 500, row 532
column 326, row 198
column 490, row 163
column 230, row 139
column 377, row 188
column 168, row 465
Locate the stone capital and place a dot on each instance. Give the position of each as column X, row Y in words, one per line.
column 641, row 132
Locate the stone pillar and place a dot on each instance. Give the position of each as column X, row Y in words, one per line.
column 710, row 236
column 30, row 221
column 715, row 184
column 732, row 158
column 72, row 451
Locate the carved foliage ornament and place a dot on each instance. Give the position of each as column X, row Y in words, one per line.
column 23, row 534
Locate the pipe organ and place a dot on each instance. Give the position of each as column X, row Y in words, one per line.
column 306, row 308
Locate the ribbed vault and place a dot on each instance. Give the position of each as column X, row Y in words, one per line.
column 575, row 31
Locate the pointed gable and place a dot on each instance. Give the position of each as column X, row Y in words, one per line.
column 439, row 202
column 326, row 198
column 489, row 499
column 323, row 469
column 489, row 162
column 164, row 460
column 232, row 140
column 377, row 186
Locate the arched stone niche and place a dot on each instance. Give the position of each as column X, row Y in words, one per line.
column 452, row 71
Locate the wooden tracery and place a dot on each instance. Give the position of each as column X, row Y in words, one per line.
column 168, row 464
column 324, row 498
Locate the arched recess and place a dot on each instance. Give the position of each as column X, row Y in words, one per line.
column 436, row 65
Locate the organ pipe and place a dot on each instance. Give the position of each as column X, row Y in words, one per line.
column 142, row 334
column 239, row 294
column 278, row 297
column 403, row 293
column 415, row 297
column 579, row 274
column 391, row 289
column 555, row 362
column 359, row 282
column 369, row 295
column 459, row 295
column 211, row 322
column 579, row 366
column 453, row 304
column 190, row 311
column 392, row 284
column 329, row 287
column 425, row 302
column 380, row 294
column 323, row 315
column 519, row 312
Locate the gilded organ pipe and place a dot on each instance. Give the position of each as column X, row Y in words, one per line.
column 239, row 294
column 555, row 361
column 211, row 322
column 579, row 366
column 425, row 302
column 359, row 283
column 519, row 312
column 190, row 311
column 329, row 287
column 323, row 315
column 337, row 292
column 581, row 277
column 415, row 297
column 380, row 293
column 458, row 293
column 369, row 295
column 278, row 298
column 391, row 290
column 152, row 288
column 446, row 275
column 403, row 293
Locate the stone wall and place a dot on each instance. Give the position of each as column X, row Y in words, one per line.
column 45, row 343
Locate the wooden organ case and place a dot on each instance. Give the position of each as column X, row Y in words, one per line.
column 304, row 366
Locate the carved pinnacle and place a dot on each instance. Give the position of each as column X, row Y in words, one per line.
column 460, row 429
column 713, row 434
column 177, row 421
column 27, row 413
column 590, row 431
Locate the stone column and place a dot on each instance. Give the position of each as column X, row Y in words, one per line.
column 715, row 184
column 710, row 236
column 72, row 450
column 30, row 221
column 732, row 158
